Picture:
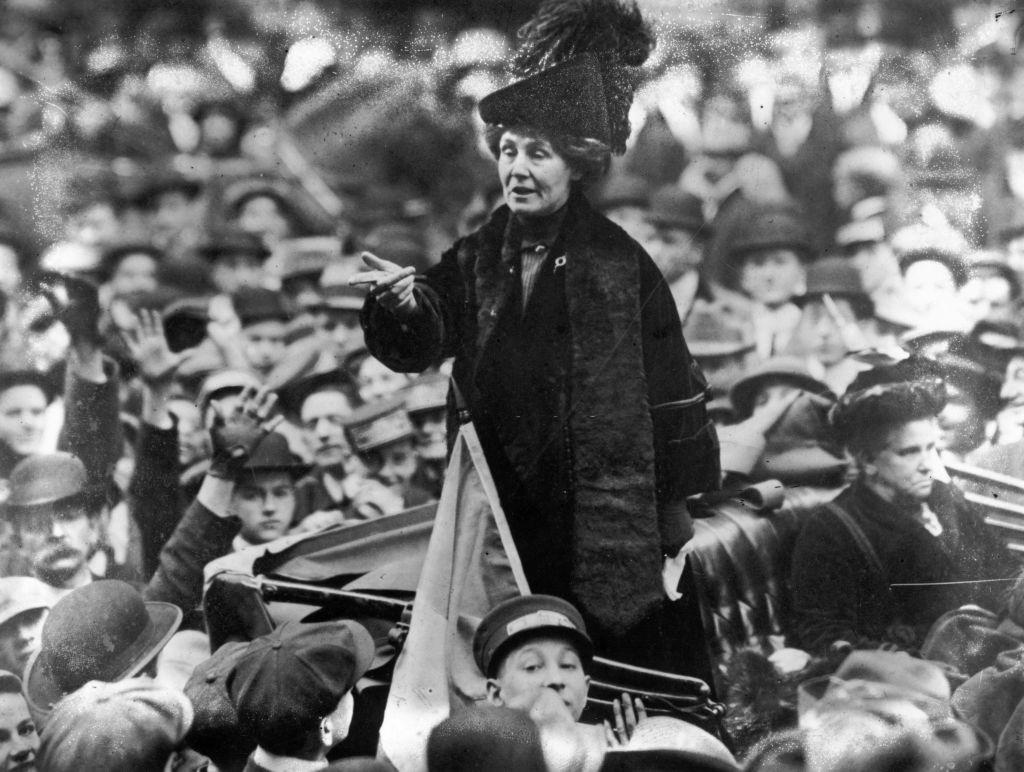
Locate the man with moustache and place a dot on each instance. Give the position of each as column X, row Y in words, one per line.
column 897, row 548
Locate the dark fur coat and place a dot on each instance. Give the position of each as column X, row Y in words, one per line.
column 633, row 435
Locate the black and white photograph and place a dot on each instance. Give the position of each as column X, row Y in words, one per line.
column 542, row 385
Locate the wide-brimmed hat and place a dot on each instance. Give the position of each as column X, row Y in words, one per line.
column 771, row 226
column 113, row 255
column 673, row 207
column 272, row 454
column 19, row 594
column 523, row 617
column 46, row 479
column 837, row 278
column 784, row 369
column 256, row 304
column 104, row 631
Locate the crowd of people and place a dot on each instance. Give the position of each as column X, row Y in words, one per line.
column 783, row 242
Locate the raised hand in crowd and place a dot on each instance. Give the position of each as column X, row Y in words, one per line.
column 225, row 330
column 76, row 305
column 389, row 283
column 148, row 347
column 236, row 432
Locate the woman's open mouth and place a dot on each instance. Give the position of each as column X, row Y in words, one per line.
column 521, row 191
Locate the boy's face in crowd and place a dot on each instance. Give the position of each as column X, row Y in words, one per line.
column 544, row 662
column 820, row 334
column 263, row 217
column 323, row 423
column 988, row 297
column 1012, row 395
column 264, row 344
column 265, row 503
column 175, row 212
column 20, row 639
column 23, row 418
column 233, row 271
column 193, row 438
column 929, row 285
column 135, row 274
column 58, row 540
column 394, row 464
column 345, row 330
column 431, row 434
column 902, row 469
column 96, row 225
column 19, row 741
column 676, row 251
column 377, row 381
column 772, row 277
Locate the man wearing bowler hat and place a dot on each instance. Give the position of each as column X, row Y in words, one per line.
column 56, row 518
column 102, row 632
column 292, row 690
column 677, row 247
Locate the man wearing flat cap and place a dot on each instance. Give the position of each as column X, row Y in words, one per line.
column 293, row 691
column 898, row 547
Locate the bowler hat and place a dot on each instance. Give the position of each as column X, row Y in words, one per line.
column 486, row 737
column 103, row 631
column 837, row 278
column 216, row 731
column 131, row 724
column 993, row 262
column 378, row 424
column 953, row 262
column 232, row 241
column 527, row 616
column 712, row 330
column 674, row 207
column 291, row 396
column 285, row 682
column 568, row 98
column 256, row 304
column 11, row 378
column 771, row 226
column 272, row 454
column 19, row 594
column 786, row 369
column 47, row 479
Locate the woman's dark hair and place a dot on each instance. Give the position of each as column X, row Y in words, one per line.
column 590, row 158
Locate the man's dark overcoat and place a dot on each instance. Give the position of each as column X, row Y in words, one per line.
column 588, row 403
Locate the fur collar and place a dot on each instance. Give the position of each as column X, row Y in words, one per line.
column 616, row 563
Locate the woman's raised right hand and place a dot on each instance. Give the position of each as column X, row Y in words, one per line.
column 389, row 283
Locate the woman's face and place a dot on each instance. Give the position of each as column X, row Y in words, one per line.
column 534, row 179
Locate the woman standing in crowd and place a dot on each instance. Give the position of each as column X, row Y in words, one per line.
column 568, row 348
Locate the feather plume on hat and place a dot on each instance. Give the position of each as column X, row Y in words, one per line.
column 614, row 32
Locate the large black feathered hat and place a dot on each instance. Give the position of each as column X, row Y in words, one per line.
column 888, row 395
column 578, row 65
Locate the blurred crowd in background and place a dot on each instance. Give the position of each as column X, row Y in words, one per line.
column 186, row 189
